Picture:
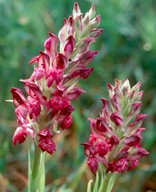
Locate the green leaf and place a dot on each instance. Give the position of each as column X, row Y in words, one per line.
column 89, row 187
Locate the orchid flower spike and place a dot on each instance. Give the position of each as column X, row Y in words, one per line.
column 116, row 134
column 52, row 86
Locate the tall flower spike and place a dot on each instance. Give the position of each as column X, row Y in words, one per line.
column 52, row 85
column 115, row 136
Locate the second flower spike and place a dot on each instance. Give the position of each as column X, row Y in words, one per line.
column 116, row 134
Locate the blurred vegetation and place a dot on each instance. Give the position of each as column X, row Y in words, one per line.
column 127, row 49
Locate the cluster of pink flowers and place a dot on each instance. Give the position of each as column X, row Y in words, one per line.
column 52, row 84
column 116, row 134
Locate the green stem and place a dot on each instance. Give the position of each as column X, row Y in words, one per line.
column 36, row 170
column 107, row 183
column 29, row 168
column 103, row 182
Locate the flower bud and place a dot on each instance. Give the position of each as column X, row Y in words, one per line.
column 116, row 119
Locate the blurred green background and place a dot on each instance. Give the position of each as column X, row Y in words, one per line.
column 127, row 49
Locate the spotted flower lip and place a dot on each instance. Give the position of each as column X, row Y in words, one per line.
column 116, row 134
column 46, row 106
